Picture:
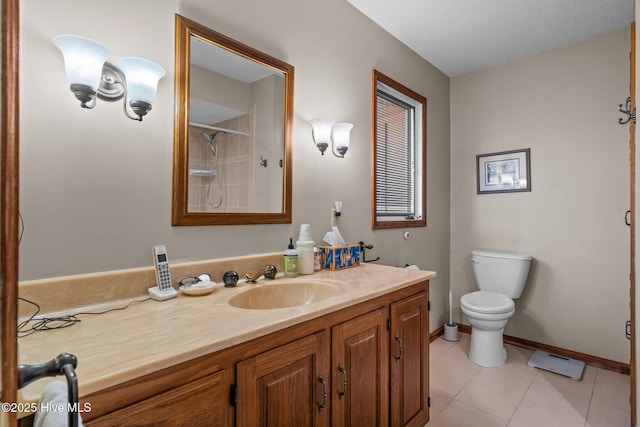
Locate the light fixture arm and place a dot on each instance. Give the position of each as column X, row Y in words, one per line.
column 140, row 109
column 112, row 83
column 341, row 150
column 113, row 87
column 126, row 112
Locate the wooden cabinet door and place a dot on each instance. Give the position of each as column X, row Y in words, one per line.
column 287, row 386
column 203, row 402
column 360, row 371
column 410, row 361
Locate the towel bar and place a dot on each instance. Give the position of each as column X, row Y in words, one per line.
column 64, row 364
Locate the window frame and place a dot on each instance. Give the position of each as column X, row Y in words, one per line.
column 420, row 145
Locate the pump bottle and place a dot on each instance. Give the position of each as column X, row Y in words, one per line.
column 290, row 260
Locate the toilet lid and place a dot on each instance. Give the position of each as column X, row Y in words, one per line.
column 487, row 302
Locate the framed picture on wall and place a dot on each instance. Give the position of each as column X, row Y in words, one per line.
column 504, row 172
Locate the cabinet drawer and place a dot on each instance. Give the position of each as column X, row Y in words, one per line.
column 202, row 402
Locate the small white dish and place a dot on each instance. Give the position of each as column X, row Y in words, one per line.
column 200, row 288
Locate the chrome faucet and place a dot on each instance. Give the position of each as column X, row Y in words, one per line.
column 268, row 271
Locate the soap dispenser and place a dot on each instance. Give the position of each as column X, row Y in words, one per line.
column 290, row 260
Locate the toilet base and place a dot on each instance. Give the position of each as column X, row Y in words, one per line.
column 487, row 348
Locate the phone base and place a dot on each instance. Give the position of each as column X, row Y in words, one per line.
column 161, row 295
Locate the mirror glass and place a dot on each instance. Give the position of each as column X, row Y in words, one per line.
column 232, row 139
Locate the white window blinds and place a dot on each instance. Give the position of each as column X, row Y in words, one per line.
column 395, row 157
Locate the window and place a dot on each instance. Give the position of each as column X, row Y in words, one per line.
column 399, row 155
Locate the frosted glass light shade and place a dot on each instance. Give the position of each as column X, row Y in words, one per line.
column 83, row 59
column 321, row 131
column 142, row 78
column 340, row 134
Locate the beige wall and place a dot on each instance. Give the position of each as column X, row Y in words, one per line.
column 96, row 186
column 561, row 104
column 266, row 182
column 216, row 88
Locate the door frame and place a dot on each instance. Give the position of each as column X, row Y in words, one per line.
column 9, row 203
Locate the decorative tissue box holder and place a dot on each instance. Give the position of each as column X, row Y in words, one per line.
column 340, row 257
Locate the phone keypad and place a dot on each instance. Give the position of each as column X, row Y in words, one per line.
column 164, row 276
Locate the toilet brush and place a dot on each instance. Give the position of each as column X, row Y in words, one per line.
column 451, row 329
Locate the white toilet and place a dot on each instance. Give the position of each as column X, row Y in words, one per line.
column 501, row 277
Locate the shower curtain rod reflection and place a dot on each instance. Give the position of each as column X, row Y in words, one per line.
column 237, row 132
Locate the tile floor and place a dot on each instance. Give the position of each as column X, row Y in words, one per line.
column 515, row 395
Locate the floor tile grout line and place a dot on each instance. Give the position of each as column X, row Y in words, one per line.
column 442, row 410
column 484, row 411
column 531, row 382
column 593, row 391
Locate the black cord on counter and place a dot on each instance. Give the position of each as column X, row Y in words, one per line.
column 34, row 324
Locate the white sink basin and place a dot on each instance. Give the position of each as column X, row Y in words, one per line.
column 287, row 293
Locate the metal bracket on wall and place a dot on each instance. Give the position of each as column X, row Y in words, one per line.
column 631, row 115
column 363, row 248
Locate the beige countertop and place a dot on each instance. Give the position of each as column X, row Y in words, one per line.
column 152, row 335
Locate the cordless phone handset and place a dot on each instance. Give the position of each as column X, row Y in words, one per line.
column 163, row 275
column 163, row 290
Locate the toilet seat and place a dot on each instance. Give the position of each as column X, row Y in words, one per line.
column 487, row 302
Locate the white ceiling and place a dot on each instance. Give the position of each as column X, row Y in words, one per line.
column 221, row 61
column 459, row 36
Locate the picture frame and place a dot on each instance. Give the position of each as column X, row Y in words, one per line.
column 504, row 172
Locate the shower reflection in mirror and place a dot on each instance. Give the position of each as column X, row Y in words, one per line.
column 219, row 172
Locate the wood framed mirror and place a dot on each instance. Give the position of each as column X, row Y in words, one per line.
column 232, row 160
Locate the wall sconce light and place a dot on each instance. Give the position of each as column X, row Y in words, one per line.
column 90, row 75
column 325, row 132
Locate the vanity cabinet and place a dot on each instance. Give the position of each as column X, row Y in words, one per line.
column 360, row 366
column 286, row 386
column 367, row 365
column 289, row 385
column 203, row 402
column 410, row 361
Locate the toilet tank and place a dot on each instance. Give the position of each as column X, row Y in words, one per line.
column 501, row 272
